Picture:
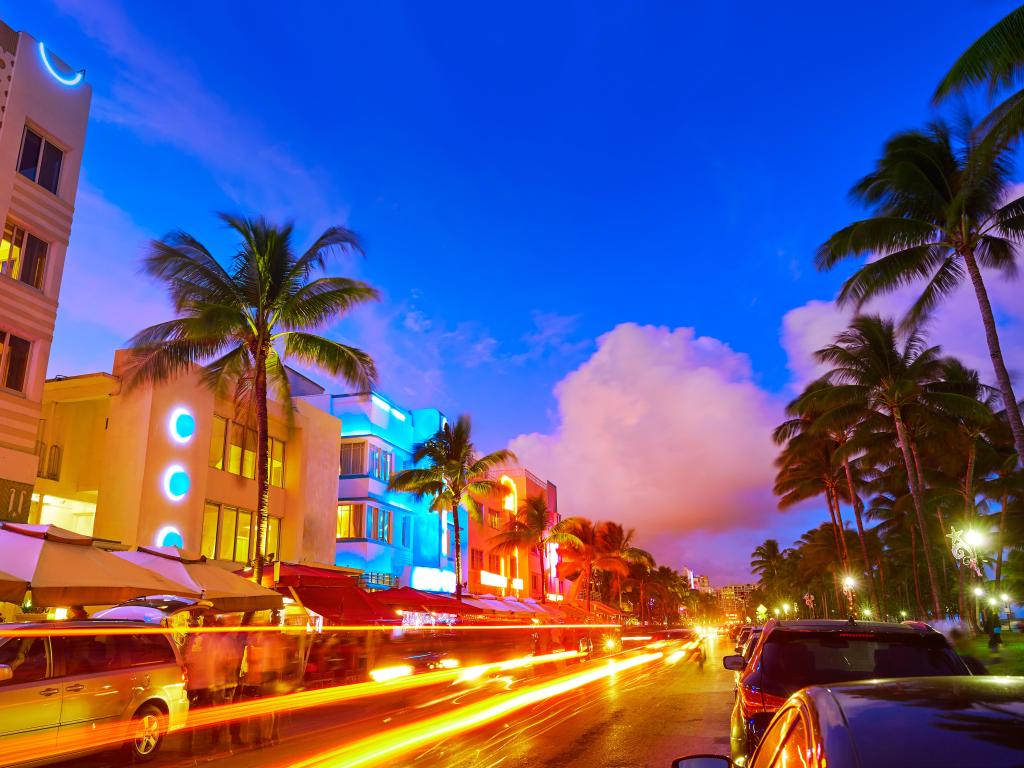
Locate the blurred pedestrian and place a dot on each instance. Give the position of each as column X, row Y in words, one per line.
column 77, row 612
column 204, row 689
column 264, row 669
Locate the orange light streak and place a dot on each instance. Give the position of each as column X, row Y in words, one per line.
column 399, row 740
column 36, row 747
column 58, row 631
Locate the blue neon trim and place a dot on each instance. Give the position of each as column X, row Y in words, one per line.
column 71, row 82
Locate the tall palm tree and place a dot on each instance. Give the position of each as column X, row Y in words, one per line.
column 241, row 321
column 868, row 366
column 454, row 476
column 531, row 528
column 995, row 60
column 616, row 542
column 578, row 561
column 939, row 213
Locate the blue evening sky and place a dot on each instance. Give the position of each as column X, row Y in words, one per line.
column 525, row 176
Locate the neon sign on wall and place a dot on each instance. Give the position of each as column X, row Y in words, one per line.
column 69, row 80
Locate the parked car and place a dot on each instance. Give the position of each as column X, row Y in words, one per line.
column 77, row 693
column 791, row 655
column 741, row 637
column 933, row 721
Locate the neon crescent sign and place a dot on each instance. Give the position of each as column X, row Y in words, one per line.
column 68, row 80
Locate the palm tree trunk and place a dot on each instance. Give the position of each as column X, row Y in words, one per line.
column 996, row 353
column 842, row 528
column 262, row 463
column 968, row 516
column 857, row 513
column 543, row 573
column 882, row 607
column 999, row 540
column 914, row 569
column 915, row 491
column 458, row 550
column 835, row 528
column 586, row 584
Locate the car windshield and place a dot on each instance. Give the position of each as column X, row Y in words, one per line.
column 793, row 660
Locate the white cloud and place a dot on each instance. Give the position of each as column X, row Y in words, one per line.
column 663, row 430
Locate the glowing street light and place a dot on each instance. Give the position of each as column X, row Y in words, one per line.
column 849, row 582
column 903, row 614
column 978, row 591
column 776, row 611
column 975, row 538
column 866, row 611
column 1004, row 597
column 785, row 608
column 993, row 602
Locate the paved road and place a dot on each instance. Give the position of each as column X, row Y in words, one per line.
column 641, row 718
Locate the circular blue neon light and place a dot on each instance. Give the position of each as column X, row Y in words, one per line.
column 176, row 482
column 169, row 536
column 68, row 80
column 181, row 425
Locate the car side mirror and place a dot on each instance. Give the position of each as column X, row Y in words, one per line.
column 702, row 761
column 6, row 673
column 735, row 663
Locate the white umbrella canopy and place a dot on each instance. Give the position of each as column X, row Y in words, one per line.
column 227, row 591
column 63, row 568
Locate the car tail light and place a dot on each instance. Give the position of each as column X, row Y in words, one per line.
column 756, row 701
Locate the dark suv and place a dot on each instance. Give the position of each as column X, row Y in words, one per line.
column 791, row 655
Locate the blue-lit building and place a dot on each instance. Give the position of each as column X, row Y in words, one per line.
column 394, row 538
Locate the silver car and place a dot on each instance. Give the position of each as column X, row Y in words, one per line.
column 73, row 693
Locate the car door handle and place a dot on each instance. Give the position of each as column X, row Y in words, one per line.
column 49, row 691
column 74, row 688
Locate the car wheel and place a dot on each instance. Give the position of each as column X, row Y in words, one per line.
column 148, row 728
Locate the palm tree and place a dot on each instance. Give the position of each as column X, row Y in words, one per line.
column 617, row 542
column 938, row 210
column 454, row 476
column 531, row 528
column 578, row 561
column 869, row 367
column 240, row 323
column 994, row 60
column 766, row 562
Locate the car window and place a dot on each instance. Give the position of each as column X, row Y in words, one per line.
column 139, row 650
column 89, row 654
column 793, row 660
column 26, row 656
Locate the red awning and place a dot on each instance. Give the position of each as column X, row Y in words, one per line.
column 342, row 604
column 296, row 574
column 409, row 599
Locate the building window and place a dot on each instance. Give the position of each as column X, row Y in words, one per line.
column 381, row 463
column 378, row 524
column 22, row 256
column 406, row 531
column 276, row 449
column 13, row 361
column 217, row 436
column 40, row 161
column 476, row 559
column 494, row 519
column 350, row 521
column 353, row 458
column 249, row 454
column 228, row 533
column 535, row 582
column 495, row 564
column 234, row 455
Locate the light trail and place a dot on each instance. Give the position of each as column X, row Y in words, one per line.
column 34, row 747
column 388, row 745
column 58, row 631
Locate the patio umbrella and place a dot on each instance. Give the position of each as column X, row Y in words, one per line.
column 227, row 591
column 63, row 568
column 12, row 589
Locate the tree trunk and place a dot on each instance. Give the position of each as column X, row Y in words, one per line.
column 262, row 464
column 857, row 513
column 835, row 528
column 458, row 550
column 842, row 529
column 914, row 569
column 999, row 540
column 996, row 353
column 915, row 491
column 543, row 573
column 587, row 584
column 881, row 588
column 968, row 519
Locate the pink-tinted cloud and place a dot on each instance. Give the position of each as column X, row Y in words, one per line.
column 664, row 431
column 955, row 326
